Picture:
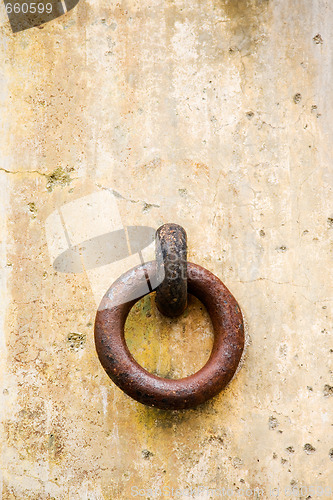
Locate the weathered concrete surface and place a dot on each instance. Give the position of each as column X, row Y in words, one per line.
column 215, row 115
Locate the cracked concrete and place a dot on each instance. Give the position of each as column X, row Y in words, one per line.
column 22, row 172
column 183, row 112
column 146, row 205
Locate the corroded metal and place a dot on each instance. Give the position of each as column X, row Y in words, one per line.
column 171, row 258
column 133, row 379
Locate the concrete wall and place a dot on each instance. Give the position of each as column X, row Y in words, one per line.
column 215, row 115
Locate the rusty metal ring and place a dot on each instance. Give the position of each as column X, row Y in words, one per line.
column 171, row 258
column 133, row 379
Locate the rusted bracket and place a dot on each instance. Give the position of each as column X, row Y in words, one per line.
column 171, row 258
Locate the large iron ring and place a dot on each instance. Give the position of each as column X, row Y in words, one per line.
column 133, row 379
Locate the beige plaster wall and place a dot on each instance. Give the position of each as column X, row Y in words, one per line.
column 216, row 115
